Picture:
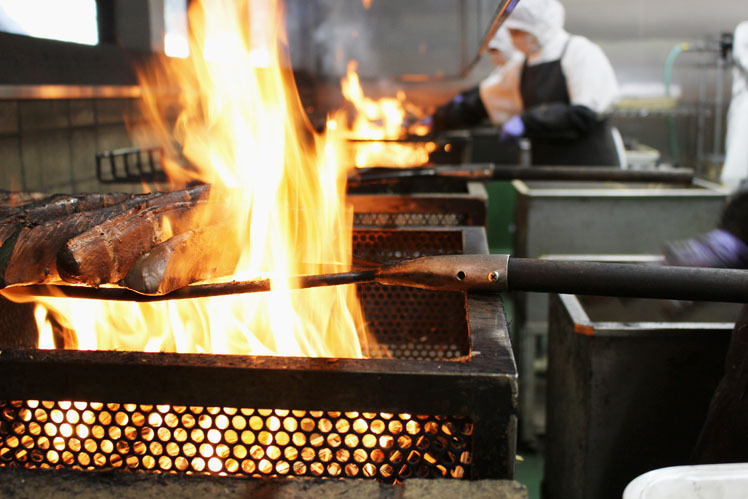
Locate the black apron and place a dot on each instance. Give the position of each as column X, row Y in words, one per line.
column 545, row 83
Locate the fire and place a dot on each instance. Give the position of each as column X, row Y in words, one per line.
column 46, row 332
column 378, row 121
column 279, row 184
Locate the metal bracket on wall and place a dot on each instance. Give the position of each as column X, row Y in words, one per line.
column 130, row 165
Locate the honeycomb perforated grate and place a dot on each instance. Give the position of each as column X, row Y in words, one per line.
column 401, row 219
column 230, row 441
column 382, row 246
column 405, row 322
column 410, row 323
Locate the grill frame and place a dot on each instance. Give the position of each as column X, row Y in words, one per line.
column 482, row 388
column 434, row 202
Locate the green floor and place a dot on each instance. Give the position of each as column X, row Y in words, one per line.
column 500, row 216
column 529, row 472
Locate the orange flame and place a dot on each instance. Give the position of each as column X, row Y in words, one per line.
column 383, row 120
column 281, row 186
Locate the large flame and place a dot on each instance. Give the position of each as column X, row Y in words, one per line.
column 280, row 185
column 378, row 124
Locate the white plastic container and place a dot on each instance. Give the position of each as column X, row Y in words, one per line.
column 709, row 481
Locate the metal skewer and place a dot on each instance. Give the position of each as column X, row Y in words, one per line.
column 490, row 171
column 481, row 273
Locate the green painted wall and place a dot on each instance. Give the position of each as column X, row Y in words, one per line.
column 500, row 220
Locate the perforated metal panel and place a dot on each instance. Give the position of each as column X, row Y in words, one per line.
column 411, row 323
column 419, row 202
column 386, row 245
column 230, row 441
column 410, row 219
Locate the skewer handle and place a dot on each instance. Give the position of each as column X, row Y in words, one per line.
column 629, row 280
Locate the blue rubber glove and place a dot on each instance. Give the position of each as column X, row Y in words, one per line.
column 512, row 129
column 718, row 248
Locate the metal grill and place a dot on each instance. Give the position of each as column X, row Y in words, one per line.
column 403, row 328
column 411, row 323
column 410, row 219
column 130, row 165
column 430, row 201
column 408, row 412
column 381, row 246
column 413, row 202
column 231, row 441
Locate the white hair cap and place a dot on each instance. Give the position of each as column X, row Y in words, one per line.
column 541, row 18
column 502, row 42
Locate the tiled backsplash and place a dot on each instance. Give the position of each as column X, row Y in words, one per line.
column 50, row 145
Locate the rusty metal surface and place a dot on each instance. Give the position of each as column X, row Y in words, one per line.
column 470, row 273
column 650, row 381
column 17, row 326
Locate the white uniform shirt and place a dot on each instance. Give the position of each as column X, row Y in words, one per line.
column 735, row 168
column 590, row 78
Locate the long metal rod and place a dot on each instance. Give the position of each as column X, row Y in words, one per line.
column 628, row 280
column 489, row 171
column 491, row 273
column 46, row 91
column 199, row 290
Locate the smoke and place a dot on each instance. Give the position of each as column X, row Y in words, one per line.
column 325, row 34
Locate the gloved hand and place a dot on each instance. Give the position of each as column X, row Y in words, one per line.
column 512, row 129
column 718, row 248
column 414, row 126
column 426, row 121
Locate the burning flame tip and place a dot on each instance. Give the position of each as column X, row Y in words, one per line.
column 243, row 130
column 385, row 119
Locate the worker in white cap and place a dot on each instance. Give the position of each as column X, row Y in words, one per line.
column 565, row 85
column 497, row 97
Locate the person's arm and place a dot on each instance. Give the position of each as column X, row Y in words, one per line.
column 592, row 88
column 558, row 120
column 464, row 110
column 500, row 91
